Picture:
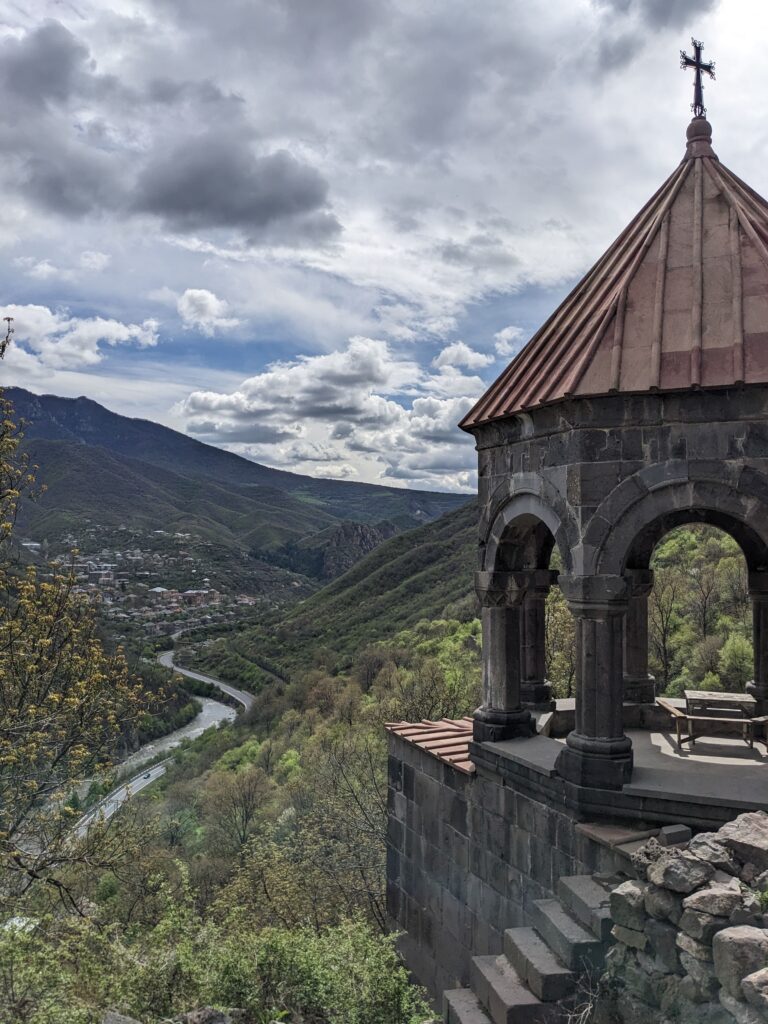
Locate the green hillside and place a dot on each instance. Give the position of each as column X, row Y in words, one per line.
column 85, row 482
column 425, row 573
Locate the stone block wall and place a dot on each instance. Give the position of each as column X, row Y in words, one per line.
column 466, row 857
column 691, row 932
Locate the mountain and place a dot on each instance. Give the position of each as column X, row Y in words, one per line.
column 119, row 481
column 425, row 573
column 83, row 421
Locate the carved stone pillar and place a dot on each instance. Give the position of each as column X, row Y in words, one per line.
column 597, row 753
column 536, row 690
column 501, row 715
column 758, row 592
column 639, row 685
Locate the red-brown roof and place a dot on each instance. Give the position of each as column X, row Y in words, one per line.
column 680, row 300
column 448, row 740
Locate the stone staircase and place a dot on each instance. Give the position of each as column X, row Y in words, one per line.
column 537, row 979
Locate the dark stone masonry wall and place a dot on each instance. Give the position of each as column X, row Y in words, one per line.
column 466, row 857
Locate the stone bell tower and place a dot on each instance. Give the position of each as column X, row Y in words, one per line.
column 641, row 404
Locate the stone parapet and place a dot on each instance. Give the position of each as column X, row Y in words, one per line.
column 467, row 856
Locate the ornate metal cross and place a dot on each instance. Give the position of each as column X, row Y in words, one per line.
column 708, row 68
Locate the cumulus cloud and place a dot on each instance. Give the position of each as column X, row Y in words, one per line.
column 509, row 340
column 60, row 341
column 352, row 409
column 460, row 354
column 201, row 309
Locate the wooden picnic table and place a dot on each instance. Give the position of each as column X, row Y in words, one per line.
column 699, row 701
column 713, row 706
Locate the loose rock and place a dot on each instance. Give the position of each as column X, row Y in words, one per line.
column 754, row 988
column 720, row 900
column 738, row 952
column 629, row 936
column 701, row 926
column 681, row 872
column 707, row 846
column 628, row 905
column 699, row 950
column 663, row 904
column 747, row 837
column 742, row 1013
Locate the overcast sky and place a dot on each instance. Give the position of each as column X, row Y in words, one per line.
column 313, row 231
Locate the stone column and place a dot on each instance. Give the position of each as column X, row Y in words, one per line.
column 501, row 715
column 597, row 753
column 639, row 685
column 536, row 690
column 758, row 592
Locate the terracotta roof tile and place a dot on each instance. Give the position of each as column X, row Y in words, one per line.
column 448, row 740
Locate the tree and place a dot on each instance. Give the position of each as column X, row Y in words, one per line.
column 559, row 644
column 663, row 620
column 232, row 802
column 736, row 662
column 64, row 705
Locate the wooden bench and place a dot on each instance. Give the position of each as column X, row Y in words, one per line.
column 684, row 720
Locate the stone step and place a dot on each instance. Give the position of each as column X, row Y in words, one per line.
column 537, row 965
column 568, row 938
column 504, row 995
column 460, row 1006
column 589, row 902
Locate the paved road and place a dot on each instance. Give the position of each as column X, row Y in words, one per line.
column 244, row 698
column 117, row 797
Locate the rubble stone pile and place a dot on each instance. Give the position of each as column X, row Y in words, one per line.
column 691, row 931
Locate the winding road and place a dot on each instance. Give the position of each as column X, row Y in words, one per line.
column 209, row 717
column 241, row 696
column 113, row 801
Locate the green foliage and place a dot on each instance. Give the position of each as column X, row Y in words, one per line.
column 698, row 613
column 54, row 973
column 736, row 662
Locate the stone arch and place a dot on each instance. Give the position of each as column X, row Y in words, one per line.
column 522, row 528
column 626, row 527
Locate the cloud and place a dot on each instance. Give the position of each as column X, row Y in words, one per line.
column 659, row 14
column 216, row 181
column 460, row 354
column 45, row 66
column 60, row 341
column 346, row 409
column 92, row 260
column 509, row 340
column 201, row 309
column 41, row 270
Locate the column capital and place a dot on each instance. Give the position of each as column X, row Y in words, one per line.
column 595, row 594
column 497, row 589
column 640, row 582
column 540, row 581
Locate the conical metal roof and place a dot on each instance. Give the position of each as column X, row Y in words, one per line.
column 680, row 300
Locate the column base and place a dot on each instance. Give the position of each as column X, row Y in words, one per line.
column 492, row 725
column 760, row 693
column 537, row 696
column 639, row 689
column 594, row 762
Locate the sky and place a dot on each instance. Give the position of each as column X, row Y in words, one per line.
column 313, row 231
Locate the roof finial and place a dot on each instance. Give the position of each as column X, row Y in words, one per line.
column 698, row 108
